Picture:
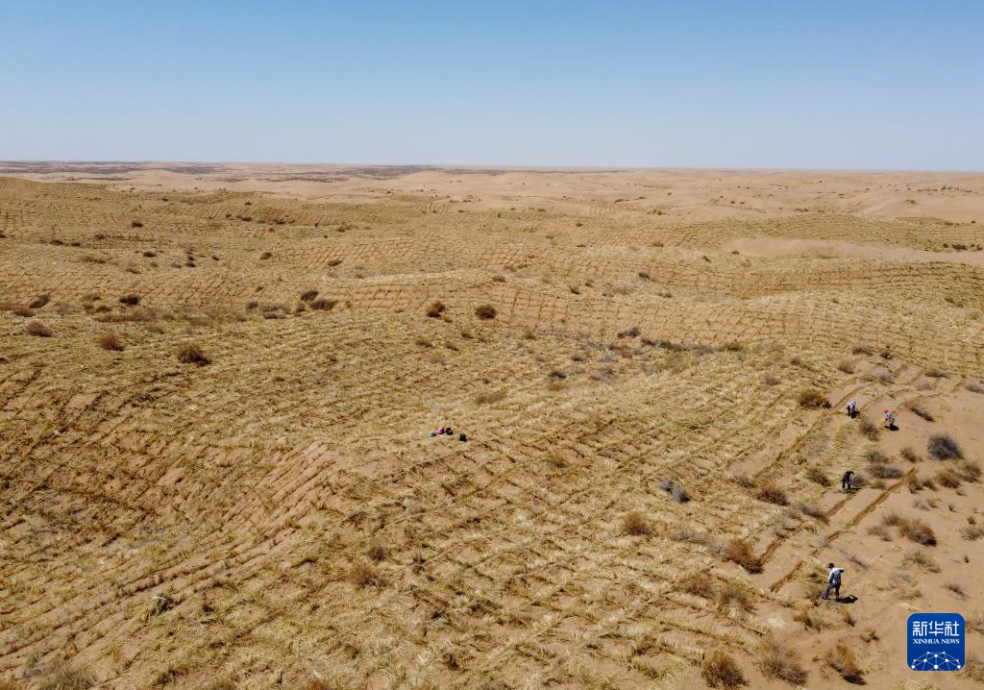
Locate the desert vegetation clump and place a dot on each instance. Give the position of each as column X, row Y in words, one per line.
column 780, row 661
column 812, row 399
column 191, row 353
column 698, row 585
column 920, row 411
column 635, row 524
column 486, row 312
column 817, row 476
column 720, row 670
column 322, row 304
column 110, row 341
column 40, row 301
column 771, row 493
column 944, row 447
column 740, row 551
column 68, row 678
column 38, row 329
column 309, row 295
column 435, row 310
column 130, row 300
column 841, row 658
column 868, row 428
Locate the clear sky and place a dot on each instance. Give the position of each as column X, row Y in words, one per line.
column 803, row 84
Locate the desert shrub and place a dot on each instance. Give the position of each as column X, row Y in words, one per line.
column 817, row 476
column 841, row 658
column 923, row 559
column 36, row 328
column 734, row 596
column 498, row 279
column 912, row 481
column 486, row 312
column 635, row 524
column 811, row 510
column 364, row 575
column 948, row 478
column 779, row 660
column 743, row 480
column 136, row 224
column 377, row 552
column 974, row 387
column 921, row 411
column 862, row 350
column 969, row 471
column 957, row 589
column 972, row 532
column 190, row 353
column 846, row 367
column 770, row 380
column 936, row 374
column 908, row 454
column 885, row 471
column 435, row 310
column 687, row 533
column 130, row 300
column 770, row 493
column 677, row 491
column 309, row 295
column 39, row 301
column 322, row 304
column 918, row 531
column 812, row 399
column 266, row 255
column 868, row 428
column 632, row 332
column 719, row 670
column 68, row 678
column 19, row 310
column 698, row 585
column 110, row 341
column 740, row 551
column 944, row 447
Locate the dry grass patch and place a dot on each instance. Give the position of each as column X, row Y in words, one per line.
column 769, row 492
column 868, row 428
column 698, row 585
column 68, row 678
column 363, row 574
column 720, row 670
column 922, row 559
column 322, row 304
column 735, row 597
column 921, row 411
column 817, row 476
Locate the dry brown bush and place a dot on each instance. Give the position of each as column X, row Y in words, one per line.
column 110, row 341
column 322, row 304
column 868, row 428
column 40, row 301
column 780, row 661
column 734, row 596
column 921, row 411
column 130, row 300
column 309, row 295
column 435, row 310
column 36, row 328
column 944, row 447
column 862, row 350
column 948, row 478
column 740, row 551
column 191, row 353
column 841, row 658
column 486, row 312
column 363, row 574
column 698, row 585
column 812, row 399
column 909, row 454
column 635, row 524
column 490, row 397
column 770, row 493
column 817, row 476
column 719, row 670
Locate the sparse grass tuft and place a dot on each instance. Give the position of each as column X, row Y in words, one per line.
column 923, row 559
column 909, row 454
column 956, row 589
column 698, row 585
column 39, row 302
column 734, row 596
column 921, row 411
column 363, row 574
column 322, row 304
column 817, row 476
column 868, row 428
column 130, row 300
column 719, row 670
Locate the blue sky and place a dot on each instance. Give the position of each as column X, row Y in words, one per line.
column 837, row 84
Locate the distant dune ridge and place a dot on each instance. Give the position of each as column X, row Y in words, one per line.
column 218, row 384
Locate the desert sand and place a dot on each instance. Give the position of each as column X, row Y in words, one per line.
column 219, row 383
